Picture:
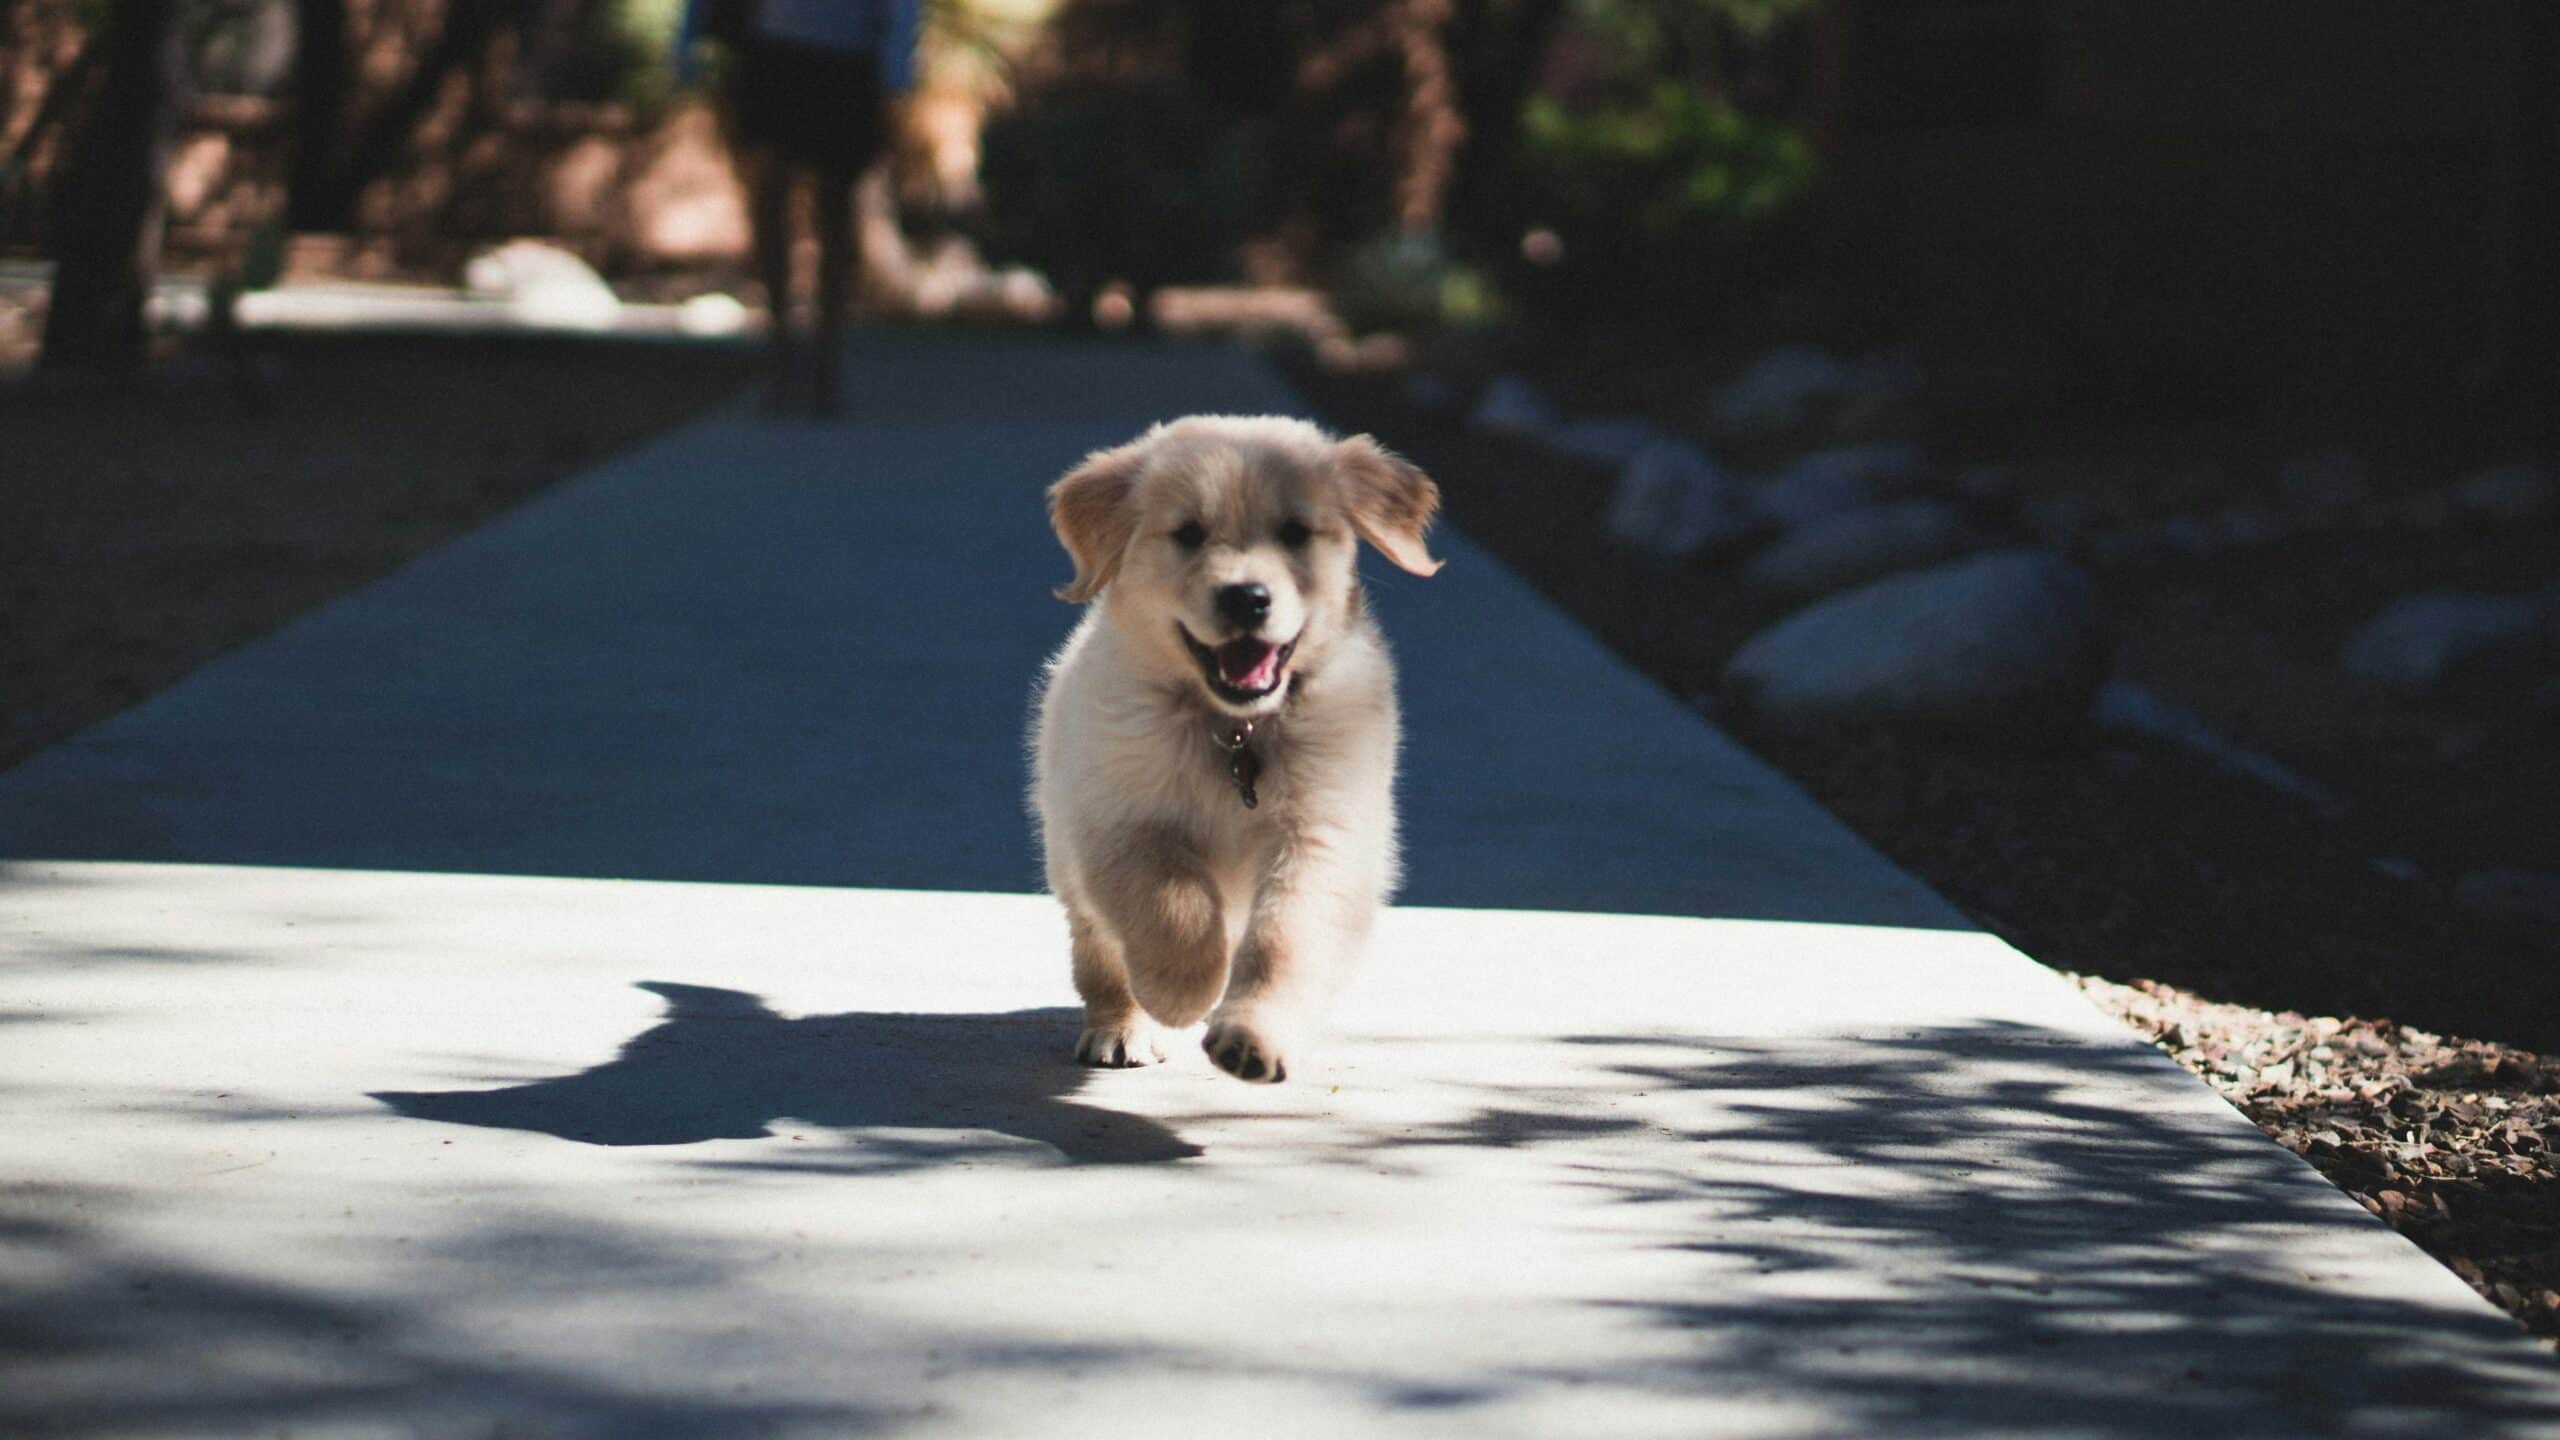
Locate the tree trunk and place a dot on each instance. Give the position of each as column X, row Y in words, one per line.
column 1497, row 48
column 319, row 111
column 112, row 197
column 1430, row 132
column 65, row 95
column 325, row 196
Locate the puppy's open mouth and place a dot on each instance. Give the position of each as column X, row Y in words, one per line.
column 1244, row 670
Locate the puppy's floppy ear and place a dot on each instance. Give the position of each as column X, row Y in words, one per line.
column 1391, row 502
column 1090, row 510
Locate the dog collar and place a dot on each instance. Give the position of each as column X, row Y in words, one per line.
column 1243, row 766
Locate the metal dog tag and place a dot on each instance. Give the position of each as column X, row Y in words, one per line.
column 1243, row 766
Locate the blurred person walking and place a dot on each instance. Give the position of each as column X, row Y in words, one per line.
column 807, row 89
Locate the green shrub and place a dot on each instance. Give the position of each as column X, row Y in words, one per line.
column 1405, row 281
column 1642, row 191
column 1132, row 182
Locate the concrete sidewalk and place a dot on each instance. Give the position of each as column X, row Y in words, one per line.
column 567, row 989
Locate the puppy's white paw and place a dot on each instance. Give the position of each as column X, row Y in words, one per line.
column 1247, row 1048
column 1122, row 1046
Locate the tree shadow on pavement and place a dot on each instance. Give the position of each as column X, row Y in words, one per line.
column 1976, row 1229
column 722, row 1066
column 101, row 1334
column 1970, row 1230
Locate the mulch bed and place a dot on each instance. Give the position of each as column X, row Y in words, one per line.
column 2450, row 1140
column 2175, row 879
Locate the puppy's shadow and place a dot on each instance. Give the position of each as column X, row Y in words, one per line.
column 722, row 1066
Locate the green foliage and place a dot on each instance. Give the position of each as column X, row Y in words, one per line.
column 1657, row 197
column 1135, row 182
column 1405, row 281
column 611, row 51
column 973, row 45
column 1676, row 170
column 643, row 32
column 236, row 47
column 1657, row 37
column 647, row 26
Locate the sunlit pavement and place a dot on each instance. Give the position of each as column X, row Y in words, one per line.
column 586, row 985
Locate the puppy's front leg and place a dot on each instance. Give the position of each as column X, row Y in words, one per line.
column 1308, row 921
column 1157, row 896
column 1117, row 1033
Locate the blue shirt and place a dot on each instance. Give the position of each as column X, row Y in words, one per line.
column 886, row 29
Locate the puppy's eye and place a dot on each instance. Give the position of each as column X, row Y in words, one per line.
column 1191, row 536
column 1295, row 534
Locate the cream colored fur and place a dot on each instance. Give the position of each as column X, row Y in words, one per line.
column 1182, row 903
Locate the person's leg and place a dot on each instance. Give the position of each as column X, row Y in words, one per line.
column 770, row 217
column 839, row 259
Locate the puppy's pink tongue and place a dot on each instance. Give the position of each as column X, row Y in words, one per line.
column 1248, row 664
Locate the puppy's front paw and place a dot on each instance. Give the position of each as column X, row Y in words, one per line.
column 1122, row 1046
column 1247, row 1049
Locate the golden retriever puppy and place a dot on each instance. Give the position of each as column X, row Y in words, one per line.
column 1215, row 746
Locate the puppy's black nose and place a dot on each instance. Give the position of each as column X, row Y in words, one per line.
column 1244, row 606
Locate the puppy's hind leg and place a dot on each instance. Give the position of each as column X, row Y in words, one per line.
column 1117, row 1034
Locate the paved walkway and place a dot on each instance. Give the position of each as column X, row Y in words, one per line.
column 586, row 985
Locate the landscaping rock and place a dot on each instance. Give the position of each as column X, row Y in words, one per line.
column 2242, row 527
column 1673, row 499
column 1887, row 398
column 2004, row 645
column 544, row 285
column 2522, row 494
column 1861, row 545
column 2515, row 905
column 2187, row 535
column 1968, row 392
column 2135, row 716
column 2325, row 485
column 1513, row 406
column 1833, row 482
column 2179, row 536
column 1609, row 442
column 2411, row 512
column 2119, row 547
column 2059, row 520
column 1785, row 392
column 2419, row 640
column 1990, row 487
column 1430, row 392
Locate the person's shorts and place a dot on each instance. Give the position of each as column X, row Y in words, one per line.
column 814, row 107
